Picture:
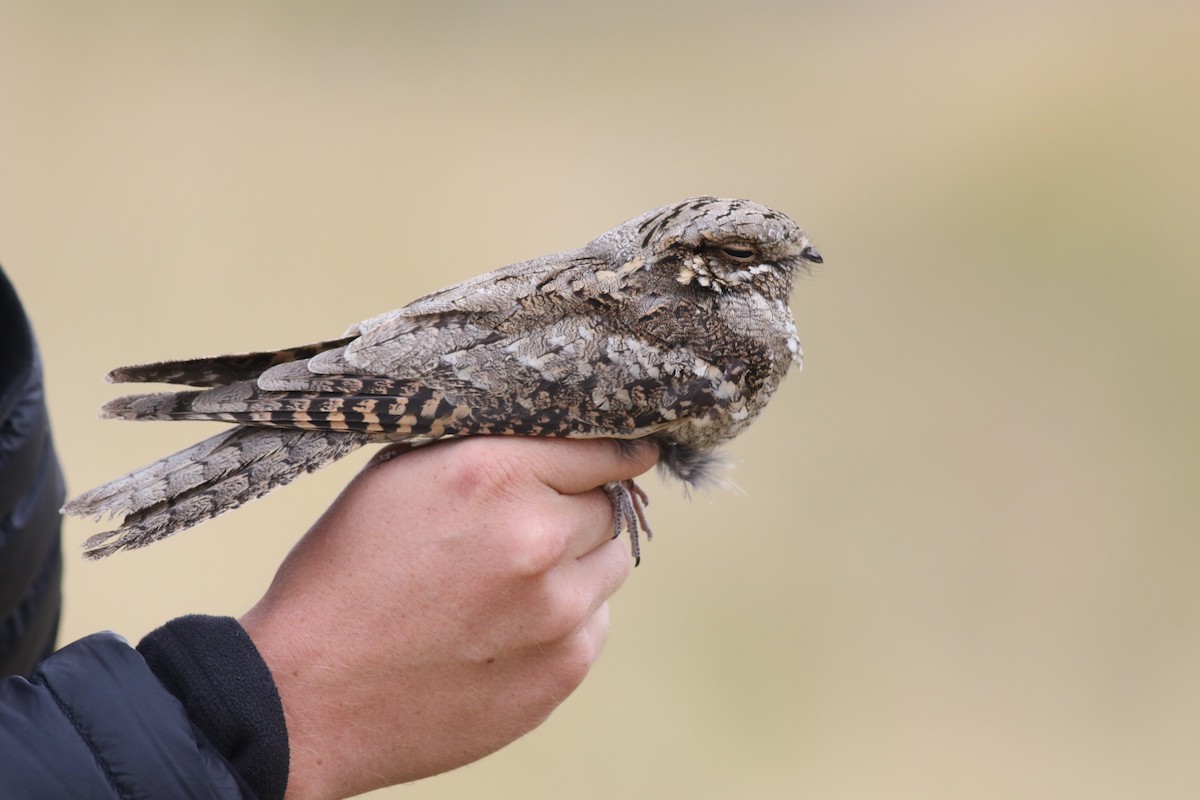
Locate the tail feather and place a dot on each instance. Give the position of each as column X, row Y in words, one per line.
column 158, row 405
column 391, row 408
column 196, row 484
column 218, row 370
column 165, row 478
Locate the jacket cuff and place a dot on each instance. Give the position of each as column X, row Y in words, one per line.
column 213, row 667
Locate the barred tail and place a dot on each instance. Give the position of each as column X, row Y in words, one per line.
column 206, row 479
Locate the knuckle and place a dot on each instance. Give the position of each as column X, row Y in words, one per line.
column 483, row 472
column 575, row 659
column 564, row 612
column 537, row 542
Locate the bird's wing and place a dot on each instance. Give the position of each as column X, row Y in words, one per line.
column 541, row 348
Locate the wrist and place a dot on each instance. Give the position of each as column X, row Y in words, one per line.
column 317, row 699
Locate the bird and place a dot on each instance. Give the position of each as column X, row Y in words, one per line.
column 673, row 327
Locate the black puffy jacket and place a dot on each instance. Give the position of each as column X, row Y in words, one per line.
column 192, row 712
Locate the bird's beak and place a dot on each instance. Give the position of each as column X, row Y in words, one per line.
column 809, row 253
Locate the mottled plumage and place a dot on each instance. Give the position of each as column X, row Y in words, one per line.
column 673, row 326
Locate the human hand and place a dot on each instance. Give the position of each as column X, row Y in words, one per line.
column 443, row 606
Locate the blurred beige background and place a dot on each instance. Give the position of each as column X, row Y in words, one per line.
column 966, row 562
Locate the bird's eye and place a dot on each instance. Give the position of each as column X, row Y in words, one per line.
column 738, row 252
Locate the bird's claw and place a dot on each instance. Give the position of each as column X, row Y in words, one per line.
column 629, row 503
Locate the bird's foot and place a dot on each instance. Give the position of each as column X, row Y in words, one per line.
column 629, row 503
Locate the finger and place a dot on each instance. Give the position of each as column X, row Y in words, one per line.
column 593, row 522
column 571, row 466
column 594, row 632
column 588, row 640
column 603, row 568
column 559, row 665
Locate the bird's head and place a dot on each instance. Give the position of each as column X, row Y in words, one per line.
column 716, row 245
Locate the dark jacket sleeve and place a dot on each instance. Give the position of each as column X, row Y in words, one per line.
column 213, row 667
column 93, row 721
column 31, row 490
column 194, row 714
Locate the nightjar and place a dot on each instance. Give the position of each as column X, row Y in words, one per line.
column 673, row 327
